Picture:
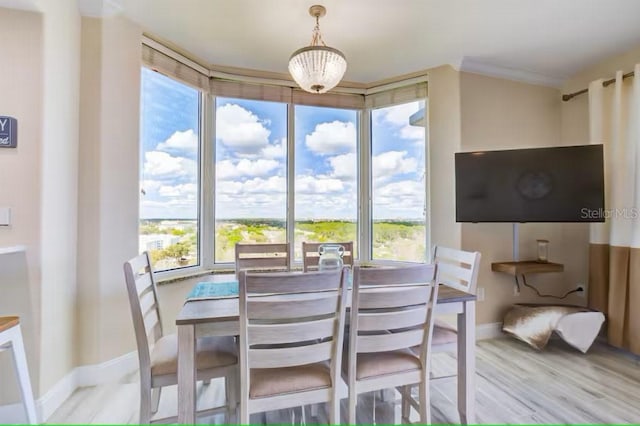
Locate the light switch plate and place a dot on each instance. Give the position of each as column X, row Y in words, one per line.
column 5, row 216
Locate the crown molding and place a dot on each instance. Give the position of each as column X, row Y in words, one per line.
column 478, row 67
column 100, row 8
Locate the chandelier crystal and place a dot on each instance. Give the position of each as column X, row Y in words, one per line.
column 317, row 68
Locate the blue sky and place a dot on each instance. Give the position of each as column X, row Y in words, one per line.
column 251, row 157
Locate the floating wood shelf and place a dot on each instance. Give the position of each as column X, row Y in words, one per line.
column 526, row 267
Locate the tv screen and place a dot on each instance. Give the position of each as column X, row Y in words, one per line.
column 559, row 184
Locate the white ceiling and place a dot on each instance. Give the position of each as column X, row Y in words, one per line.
column 544, row 40
column 551, row 39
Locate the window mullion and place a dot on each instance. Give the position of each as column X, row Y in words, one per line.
column 291, row 178
column 364, row 185
column 207, row 184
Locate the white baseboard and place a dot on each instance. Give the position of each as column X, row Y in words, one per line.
column 491, row 330
column 86, row 375
column 48, row 403
column 106, row 372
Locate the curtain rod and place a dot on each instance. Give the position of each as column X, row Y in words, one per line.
column 605, row 83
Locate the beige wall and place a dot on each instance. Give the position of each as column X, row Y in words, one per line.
column 503, row 114
column 21, row 82
column 59, row 188
column 108, row 194
column 443, row 129
column 69, row 201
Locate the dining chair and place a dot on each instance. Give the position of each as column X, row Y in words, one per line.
column 158, row 352
column 11, row 339
column 291, row 339
column 272, row 257
column 311, row 256
column 391, row 313
column 457, row 269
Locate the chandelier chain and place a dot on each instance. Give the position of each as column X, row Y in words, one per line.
column 316, row 36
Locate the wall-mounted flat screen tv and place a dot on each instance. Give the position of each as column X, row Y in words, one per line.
column 558, row 184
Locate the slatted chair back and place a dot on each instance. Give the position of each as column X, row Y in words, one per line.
column 392, row 309
column 310, row 255
column 291, row 319
column 145, row 310
column 457, row 268
column 263, row 257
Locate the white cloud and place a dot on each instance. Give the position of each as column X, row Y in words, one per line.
column 161, row 165
column 412, row 132
column 240, row 129
column 344, row 166
column 401, row 199
column 186, row 141
column 271, row 185
column 173, row 208
column 185, row 190
column 227, row 169
column 332, row 138
column 275, row 150
column 398, row 115
column 149, row 185
column 392, row 163
column 318, row 185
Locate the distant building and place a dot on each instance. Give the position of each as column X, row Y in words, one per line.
column 156, row 241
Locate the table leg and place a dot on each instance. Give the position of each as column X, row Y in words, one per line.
column 186, row 374
column 467, row 363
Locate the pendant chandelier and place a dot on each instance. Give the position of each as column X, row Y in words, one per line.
column 317, row 68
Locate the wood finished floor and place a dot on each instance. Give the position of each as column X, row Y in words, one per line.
column 515, row 384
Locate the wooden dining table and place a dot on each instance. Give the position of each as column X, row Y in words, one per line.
column 220, row 317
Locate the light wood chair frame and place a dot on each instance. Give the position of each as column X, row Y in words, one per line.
column 145, row 310
column 310, row 256
column 263, row 257
column 457, row 269
column 295, row 319
column 401, row 300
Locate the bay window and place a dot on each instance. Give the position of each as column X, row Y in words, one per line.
column 225, row 162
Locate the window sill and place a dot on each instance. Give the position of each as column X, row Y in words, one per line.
column 173, row 278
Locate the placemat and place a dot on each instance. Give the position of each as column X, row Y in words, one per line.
column 213, row 290
column 220, row 290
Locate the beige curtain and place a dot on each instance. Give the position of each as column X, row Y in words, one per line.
column 614, row 252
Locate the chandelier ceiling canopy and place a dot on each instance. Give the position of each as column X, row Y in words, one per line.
column 317, row 68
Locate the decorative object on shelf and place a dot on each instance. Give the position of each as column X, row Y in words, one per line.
column 330, row 257
column 543, row 250
column 317, row 68
column 8, row 132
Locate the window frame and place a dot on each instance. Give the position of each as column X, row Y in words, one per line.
column 183, row 271
column 207, row 189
